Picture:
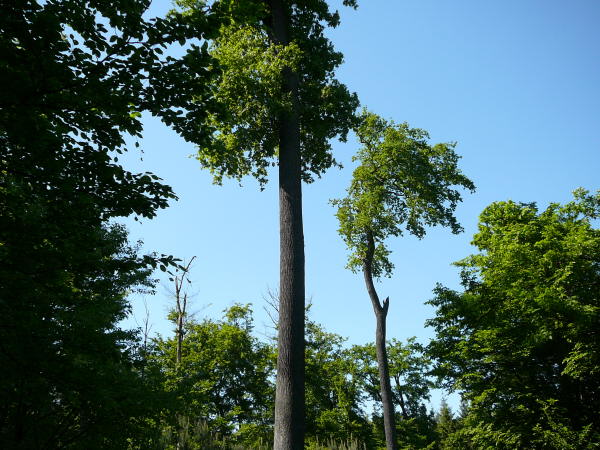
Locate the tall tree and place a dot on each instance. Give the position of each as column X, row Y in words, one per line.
column 280, row 105
column 76, row 75
column 402, row 184
column 521, row 341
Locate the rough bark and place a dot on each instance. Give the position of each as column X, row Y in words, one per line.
column 289, row 395
column 382, row 359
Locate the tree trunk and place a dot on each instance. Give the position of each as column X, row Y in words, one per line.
column 179, row 337
column 401, row 399
column 382, row 359
column 289, row 395
column 181, row 306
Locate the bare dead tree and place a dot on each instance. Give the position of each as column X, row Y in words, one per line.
column 181, row 301
column 147, row 326
column 271, row 299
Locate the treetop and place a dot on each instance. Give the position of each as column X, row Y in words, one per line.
column 402, row 184
column 250, row 66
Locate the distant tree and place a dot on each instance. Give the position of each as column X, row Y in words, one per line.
column 76, row 76
column 180, row 314
column 401, row 184
column 445, row 423
column 409, row 369
column 411, row 389
column 280, row 104
column 335, row 388
column 223, row 379
column 521, row 341
column 335, row 392
column 463, row 408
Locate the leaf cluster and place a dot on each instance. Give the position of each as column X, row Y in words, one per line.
column 225, row 374
column 223, row 390
column 521, row 339
column 334, row 389
column 251, row 98
column 402, row 184
column 76, row 77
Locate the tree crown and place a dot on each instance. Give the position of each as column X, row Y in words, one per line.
column 521, row 339
column 401, row 184
column 250, row 94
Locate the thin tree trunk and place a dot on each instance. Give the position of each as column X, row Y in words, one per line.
column 382, row 359
column 289, row 395
column 401, row 398
column 180, row 317
column 181, row 306
column 180, row 314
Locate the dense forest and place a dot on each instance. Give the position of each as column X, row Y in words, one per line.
column 253, row 86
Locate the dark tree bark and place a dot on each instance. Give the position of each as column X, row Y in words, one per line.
column 289, row 395
column 382, row 359
column 400, row 398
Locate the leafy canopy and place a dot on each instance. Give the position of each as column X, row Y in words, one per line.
column 521, row 340
column 411, row 388
column 76, row 76
column 334, row 389
column 225, row 375
column 401, row 184
column 249, row 90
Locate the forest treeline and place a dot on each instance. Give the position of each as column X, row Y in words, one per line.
column 252, row 85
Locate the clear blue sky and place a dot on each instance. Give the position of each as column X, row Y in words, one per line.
column 515, row 83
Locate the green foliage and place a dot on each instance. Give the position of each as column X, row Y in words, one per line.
column 411, row 386
column 402, row 184
column 76, row 76
column 222, row 393
column 446, row 424
column 197, row 435
column 521, row 340
column 409, row 369
column 334, row 390
column 69, row 373
column 332, row 444
column 224, row 380
column 250, row 95
column 252, row 70
column 73, row 89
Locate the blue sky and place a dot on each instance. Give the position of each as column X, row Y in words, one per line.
column 515, row 83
